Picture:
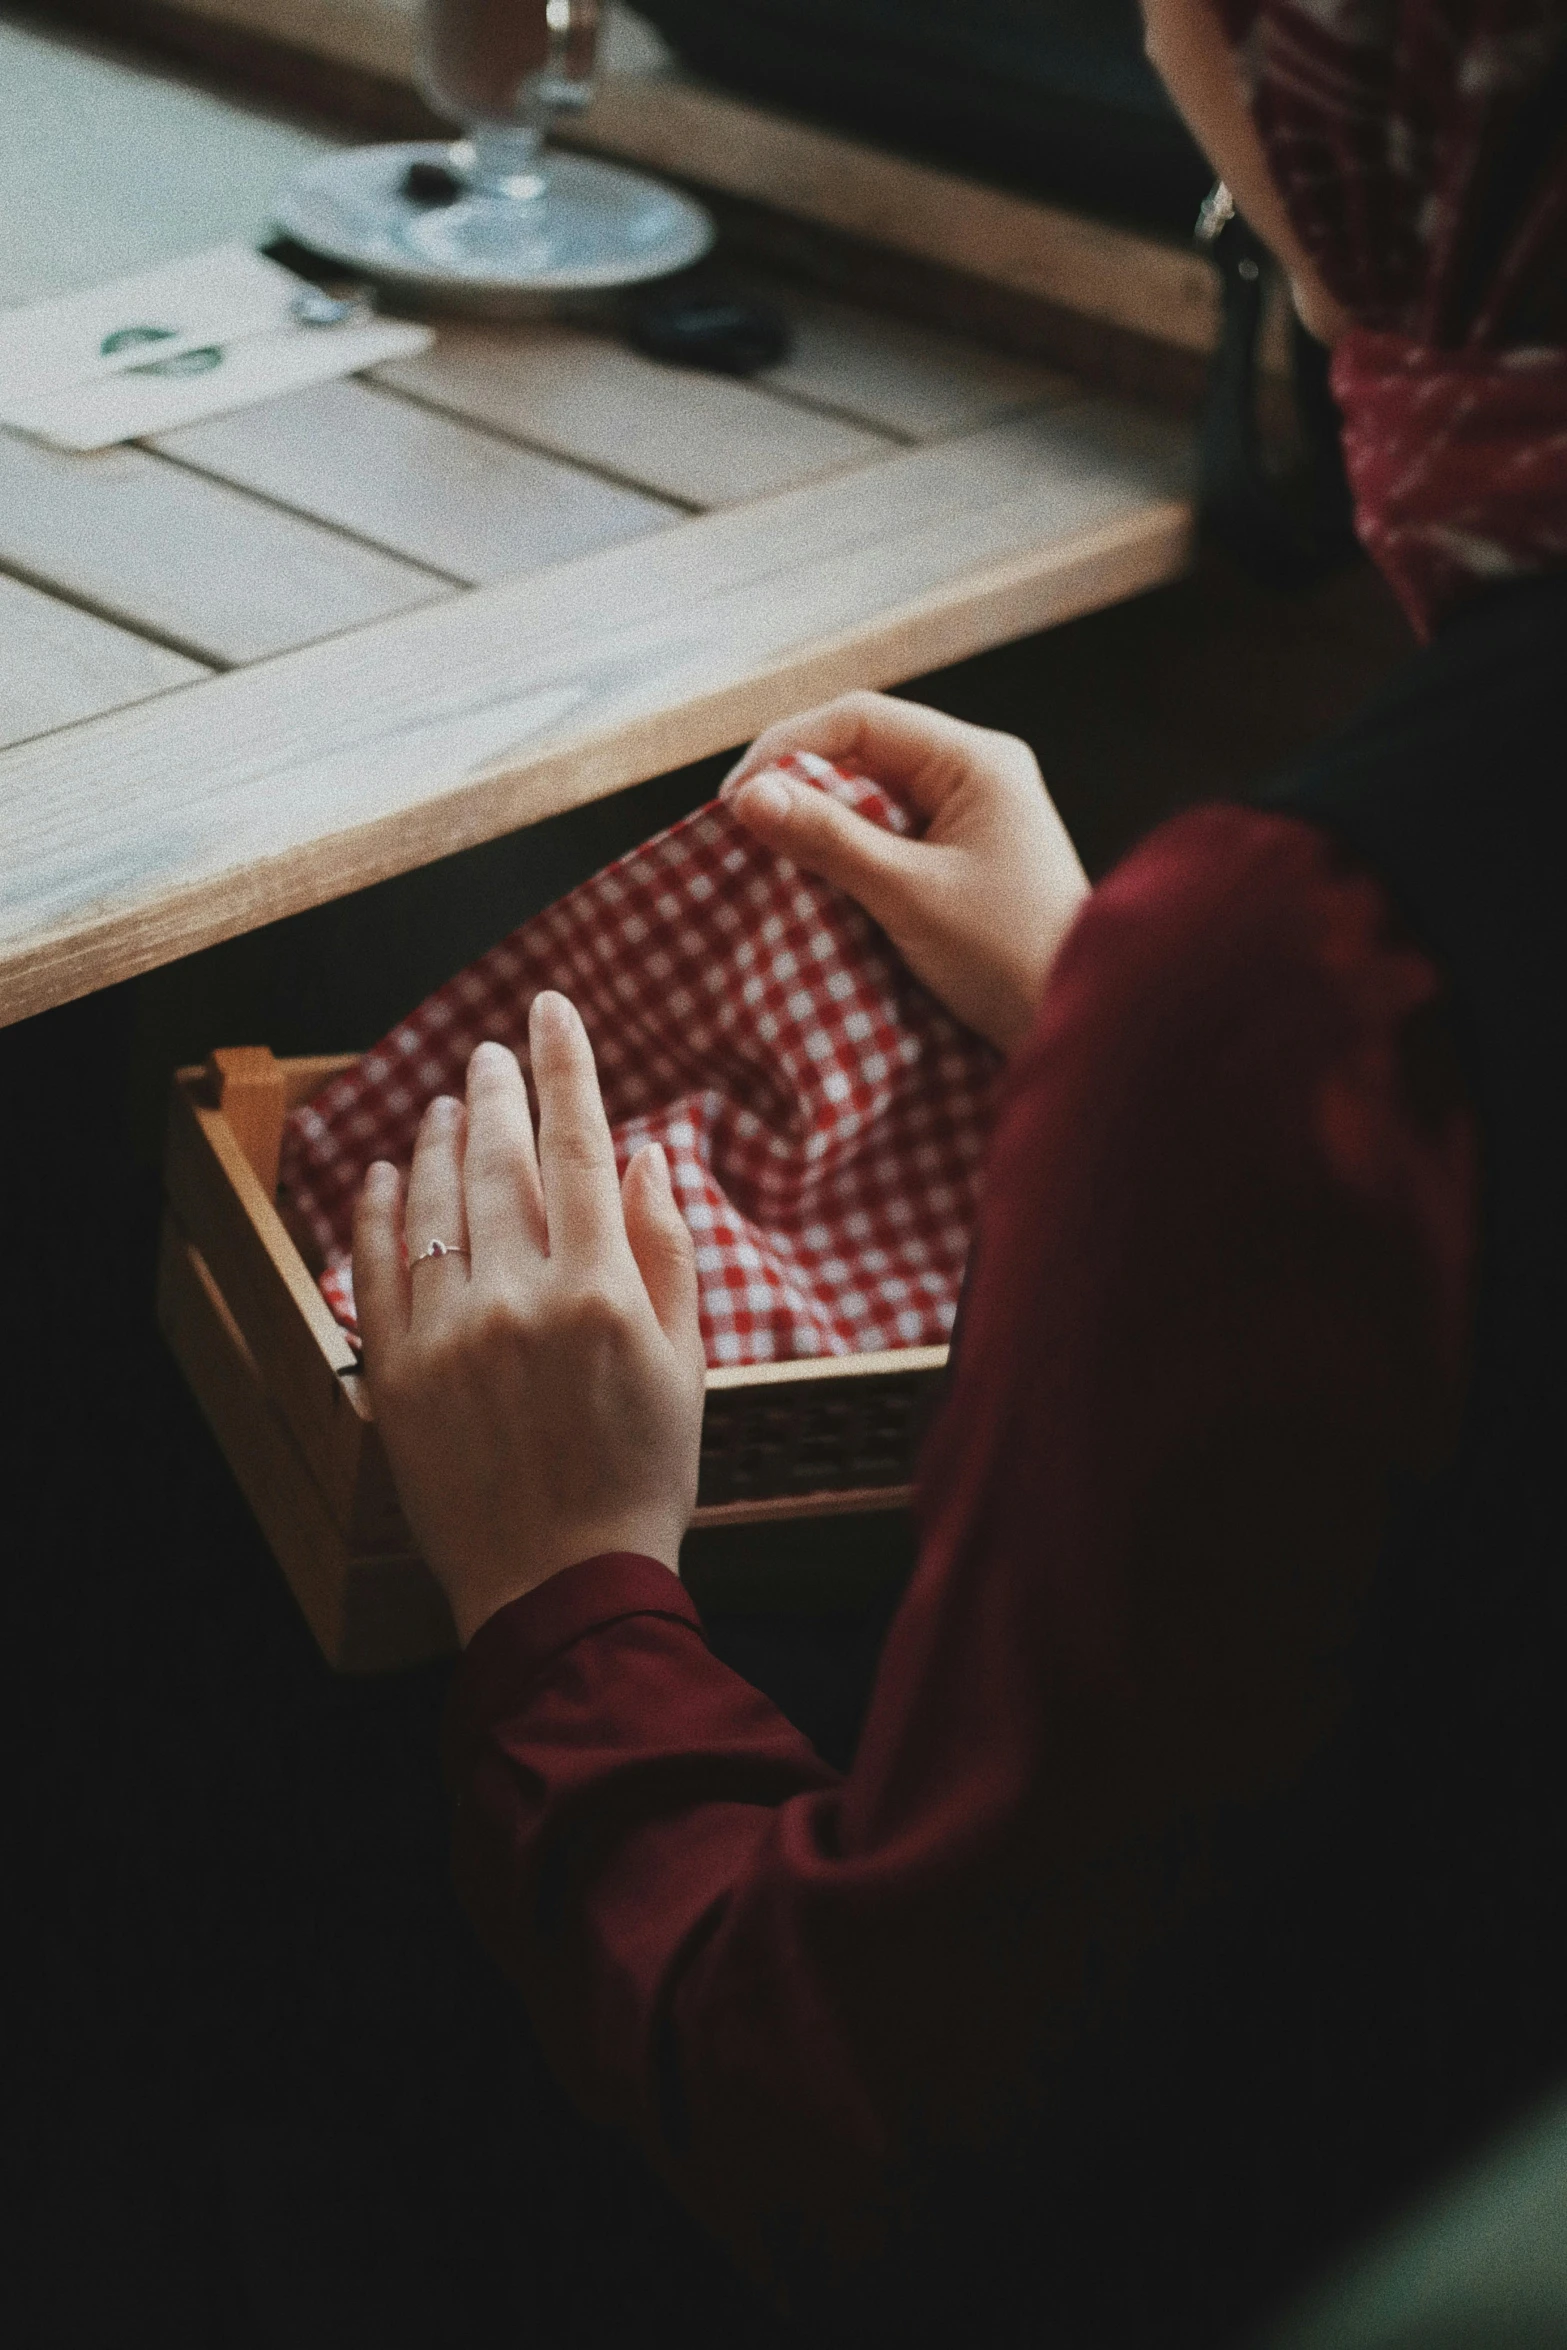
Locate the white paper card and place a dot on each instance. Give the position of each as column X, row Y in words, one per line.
column 226, row 335
column 129, row 407
column 206, row 298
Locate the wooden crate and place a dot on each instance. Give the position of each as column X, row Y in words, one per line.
column 281, row 1388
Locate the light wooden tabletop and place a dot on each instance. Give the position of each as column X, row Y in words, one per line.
column 268, row 659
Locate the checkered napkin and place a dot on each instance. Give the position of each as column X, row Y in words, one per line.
column 824, row 1119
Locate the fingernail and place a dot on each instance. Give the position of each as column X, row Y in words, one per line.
column 554, row 1012
column 490, row 1055
column 768, row 795
column 443, row 1109
column 380, row 1178
column 660, row 1158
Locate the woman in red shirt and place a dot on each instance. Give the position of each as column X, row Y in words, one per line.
column 1198, row 1882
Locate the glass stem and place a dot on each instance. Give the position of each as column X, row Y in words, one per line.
column 506, row 160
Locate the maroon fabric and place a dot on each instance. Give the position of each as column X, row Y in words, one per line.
column 1217, row 1303
column 1458, row 462
column 1421, row 149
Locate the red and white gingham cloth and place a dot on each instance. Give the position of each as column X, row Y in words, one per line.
column 825, row 1119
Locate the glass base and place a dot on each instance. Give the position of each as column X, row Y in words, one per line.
column 584, row 225
column 592, row 225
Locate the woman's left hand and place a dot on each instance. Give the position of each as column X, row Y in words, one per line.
column 540, row 1396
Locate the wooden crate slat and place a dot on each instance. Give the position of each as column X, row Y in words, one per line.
column 911, row 380
column 824, row 1370
column 282, row 1316
column 249, row 1328
column 146, row 835
column 383, row 1612
column 59, row 665
column 703, row 439
column 870, row 1501
column 225, row 1379
column 199, row 564
column 227, row 1213
column 369, row 1614
column 421, row 484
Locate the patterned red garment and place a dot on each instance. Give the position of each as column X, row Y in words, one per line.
column 825, row 1119
column 1421, row 149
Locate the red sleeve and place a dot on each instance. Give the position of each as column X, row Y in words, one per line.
column 1217, row 1302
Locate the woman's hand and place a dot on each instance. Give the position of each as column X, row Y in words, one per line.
column 540, row 1396
column 978, row 906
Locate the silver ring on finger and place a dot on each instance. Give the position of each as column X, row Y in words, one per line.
column 437, row 1248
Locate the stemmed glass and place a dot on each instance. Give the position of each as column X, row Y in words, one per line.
column 520, row 213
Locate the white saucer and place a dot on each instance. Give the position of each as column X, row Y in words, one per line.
column 606, row 227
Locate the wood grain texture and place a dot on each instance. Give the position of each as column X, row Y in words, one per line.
column 369, row 1614
column 223, row 1376
column 897, row 377
column 823, row 1370
column 422, row 485
column 286, row 1323
column 59, row 665
column 90, row 189
column 672, row 124
column 305, row 1074
column 381, row 36
column 193, row 562
column 247, row 1082
column 704, row 439
column 140, row 837
column 233, row 1219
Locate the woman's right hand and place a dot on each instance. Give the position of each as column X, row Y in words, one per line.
column 977, row 905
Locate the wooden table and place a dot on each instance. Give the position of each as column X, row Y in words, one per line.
column 266, row 660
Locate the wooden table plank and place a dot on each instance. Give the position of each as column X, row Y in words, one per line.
column 203, row 567
column 112, row 167
column 667, row 121
column 421, row 484
column 59, row 665
column 657, row 116
column 137, row 838
column 909, row 380
column 704, row 439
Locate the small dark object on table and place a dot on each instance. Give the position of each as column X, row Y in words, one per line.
column 707, row 326
column 431, row 184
